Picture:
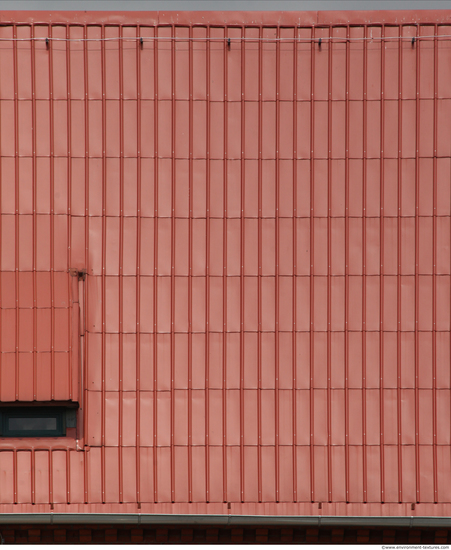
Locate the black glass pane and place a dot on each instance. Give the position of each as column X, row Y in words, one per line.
column 31, row 424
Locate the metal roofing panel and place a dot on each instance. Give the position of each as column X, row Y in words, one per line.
column 265, row 230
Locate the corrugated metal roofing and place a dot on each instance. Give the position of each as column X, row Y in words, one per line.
column 265, row 226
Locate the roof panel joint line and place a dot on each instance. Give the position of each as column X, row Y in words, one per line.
column 142, row 39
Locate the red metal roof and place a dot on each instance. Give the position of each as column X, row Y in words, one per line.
column 265, row 227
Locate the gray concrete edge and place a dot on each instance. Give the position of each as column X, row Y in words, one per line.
column 224, row 520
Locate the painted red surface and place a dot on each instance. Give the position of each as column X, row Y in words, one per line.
column 265, row 228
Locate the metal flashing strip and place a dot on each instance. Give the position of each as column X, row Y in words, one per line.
column 213, row 519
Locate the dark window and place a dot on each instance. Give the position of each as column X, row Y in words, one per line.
column 26, row 424
column 35, row 421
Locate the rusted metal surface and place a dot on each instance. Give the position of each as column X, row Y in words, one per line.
column 229, row 241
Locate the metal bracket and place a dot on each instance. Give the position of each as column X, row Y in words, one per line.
column 79, row 273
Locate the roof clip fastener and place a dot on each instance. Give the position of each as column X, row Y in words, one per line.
column 47, row 43
column 413, row 41
column 228, row 43
column 141, row 42
column 319, row 42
